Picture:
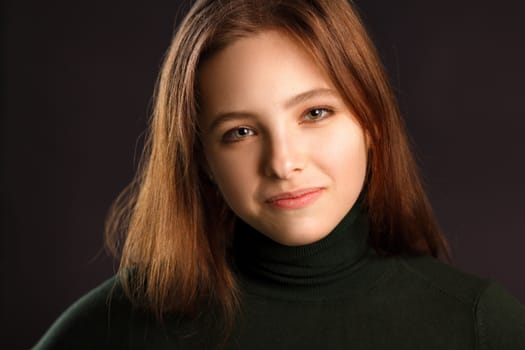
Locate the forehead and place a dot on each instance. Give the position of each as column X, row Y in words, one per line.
column 267, row 67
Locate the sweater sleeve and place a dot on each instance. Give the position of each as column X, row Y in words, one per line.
column 500, row 320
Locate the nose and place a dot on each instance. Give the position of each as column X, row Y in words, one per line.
column 284, row 156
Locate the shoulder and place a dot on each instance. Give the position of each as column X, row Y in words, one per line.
column 498, row 318
column 447, row 280
column 501, row 320
column 96, row 320
column 105, row 318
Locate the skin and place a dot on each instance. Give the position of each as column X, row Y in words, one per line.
column 273, row 124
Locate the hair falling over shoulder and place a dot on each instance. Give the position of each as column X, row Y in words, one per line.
column 171, row 227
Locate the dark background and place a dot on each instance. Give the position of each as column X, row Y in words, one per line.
column 77, row 80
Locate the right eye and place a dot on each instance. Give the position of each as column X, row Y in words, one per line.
column 237, row 134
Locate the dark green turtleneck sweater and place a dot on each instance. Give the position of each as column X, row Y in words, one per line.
column 332, row 294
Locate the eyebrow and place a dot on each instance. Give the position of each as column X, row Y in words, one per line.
column 307, row 95
column 293, row 101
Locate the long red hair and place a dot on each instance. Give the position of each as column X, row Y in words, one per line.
column 176, row 229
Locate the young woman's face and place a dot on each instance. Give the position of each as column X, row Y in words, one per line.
column 285, row 152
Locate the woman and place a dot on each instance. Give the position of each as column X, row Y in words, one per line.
column 278, row 205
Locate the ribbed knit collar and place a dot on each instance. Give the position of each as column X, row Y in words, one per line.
column 317, row 270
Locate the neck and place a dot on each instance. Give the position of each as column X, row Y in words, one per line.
column 308, row 271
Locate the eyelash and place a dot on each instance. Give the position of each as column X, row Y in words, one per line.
column 326, row 112
column 230, row 137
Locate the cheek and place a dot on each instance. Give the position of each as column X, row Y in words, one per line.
column 344, row 151
column 350, row 172
column 344, row 160
column 235, row 173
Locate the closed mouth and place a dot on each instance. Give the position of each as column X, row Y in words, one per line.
column 295, row 199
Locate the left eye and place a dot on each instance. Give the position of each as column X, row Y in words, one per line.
column 316, row 114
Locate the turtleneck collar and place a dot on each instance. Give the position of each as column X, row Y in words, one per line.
column 316, row 270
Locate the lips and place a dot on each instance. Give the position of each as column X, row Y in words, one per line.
column 295, row 199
